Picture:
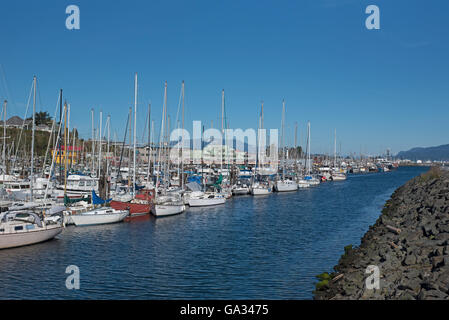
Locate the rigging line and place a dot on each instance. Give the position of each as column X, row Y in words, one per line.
column 23, row 124
column 39, row 94
column 51, row 133
column 179, row 107
column 5, row 86
column 145, row 127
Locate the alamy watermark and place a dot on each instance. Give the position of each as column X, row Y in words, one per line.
column 73, row 280
column 230, row 146
column 73, row 20
column 373, row 280
column 373, row 20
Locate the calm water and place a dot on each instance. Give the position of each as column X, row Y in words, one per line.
column 250, row 248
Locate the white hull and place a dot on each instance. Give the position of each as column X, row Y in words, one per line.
column 303, row 184
column 87, row 219
column 160, row 210
column 18, row 239
column 286, row 187
column 206, row 202
column 338, row 177
column 260, row 191
column 240, row 191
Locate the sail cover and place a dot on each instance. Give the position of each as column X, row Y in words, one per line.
column 97, row 200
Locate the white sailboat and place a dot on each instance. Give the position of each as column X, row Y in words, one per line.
column 337, row 174
column 309, row 179
column 98, row 216
column 259, row 187
column 165, row 204
column 204, row 199
column 284, row 185
column 240, row 188
column 24, row 228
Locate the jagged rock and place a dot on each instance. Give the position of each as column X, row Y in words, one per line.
column 410, row 260
column 414, row 263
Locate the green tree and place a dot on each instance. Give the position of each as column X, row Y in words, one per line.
column 42, row 118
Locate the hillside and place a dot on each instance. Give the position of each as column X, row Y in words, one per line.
column 431, row 153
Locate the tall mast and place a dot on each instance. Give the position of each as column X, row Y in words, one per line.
column 65, row 148
column 73, row 147
column 166, row 124
column 93, row 137
column 99, row 144
column 59, row 136
column 135, row 136
column 308, row 148
column 283, row 149
column 335, row 148
column 68, row 128
column 261, row 127
column 161, row 141
column 149, row 143
column 182, row 146
column 152, row 159
column 222, row 127
column 4, row 139
column 107, row 156
column 32, row 140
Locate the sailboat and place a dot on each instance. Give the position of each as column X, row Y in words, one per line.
column 202, row 198
column 337, row 173
column 165, row 204
column 25, row 227
column 308, row 178
column 259, row 186
column 21, row 228
column 101, row 215
column 137, row 204
column 284, row 185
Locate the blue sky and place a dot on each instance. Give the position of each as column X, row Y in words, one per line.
column 386, row 88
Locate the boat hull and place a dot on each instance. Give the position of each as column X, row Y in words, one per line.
column 206, row 202
column 286, row 187
column 135, row 209
column 260, row 191
column 160, row 210
column 240, row 191
column 96, row 219
column 19, row 239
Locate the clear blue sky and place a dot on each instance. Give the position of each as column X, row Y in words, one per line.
column 378, row 88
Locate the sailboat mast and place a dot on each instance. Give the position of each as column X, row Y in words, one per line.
column 68, row 127
column 283, row 139
column 93, row 137
column 135, row 135
column 65, row 148
column 222, row 128
column 4, row 139
column 107, row 156
column 32, row 140
column 73, row 147
column 262, row 155
column 335, row 148
column 99, row 144
column 308, row 149
column 149, row 142
column 182, row 146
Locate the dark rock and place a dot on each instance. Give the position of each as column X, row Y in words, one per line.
column 414, row 262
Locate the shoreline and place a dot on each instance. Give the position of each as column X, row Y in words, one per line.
column 409, row 244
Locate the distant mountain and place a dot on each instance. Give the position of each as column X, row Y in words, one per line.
column 431, row 153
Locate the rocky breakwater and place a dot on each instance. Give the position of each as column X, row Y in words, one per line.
column 408, row 244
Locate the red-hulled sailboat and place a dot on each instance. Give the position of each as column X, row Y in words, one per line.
column 139, row 206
